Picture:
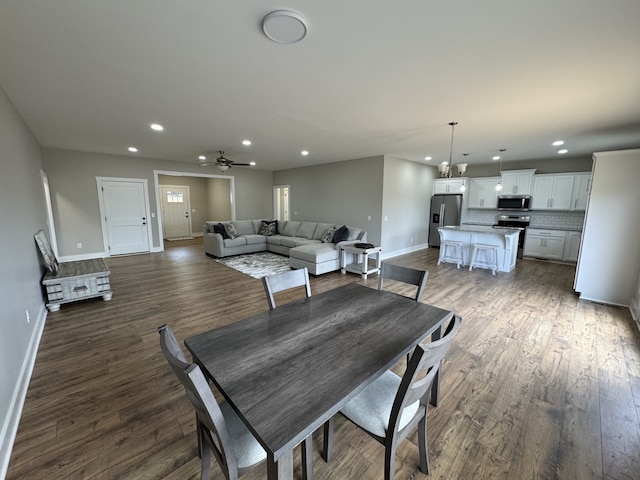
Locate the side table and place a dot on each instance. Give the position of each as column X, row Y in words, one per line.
column 361, row 268
column 77, row 281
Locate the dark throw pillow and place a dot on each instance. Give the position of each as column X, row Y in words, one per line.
column 231, row 230
column 219, row 228
column 341, row 234
column 268, row 228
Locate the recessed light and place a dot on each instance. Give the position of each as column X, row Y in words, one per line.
column 132, row 149
column 252, row 163
column 304, row 153
column 284, row 26
column 557, row 143
column 427, row 158
column 563, row 151
column 495, row 157
column 246, row 143
column 157, row 127
column 202, row 157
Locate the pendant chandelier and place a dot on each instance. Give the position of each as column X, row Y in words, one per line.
column 445, row 168
column 499, row 185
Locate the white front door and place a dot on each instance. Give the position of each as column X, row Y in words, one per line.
column 281, row 202
column 176, row 208
column 125, row 217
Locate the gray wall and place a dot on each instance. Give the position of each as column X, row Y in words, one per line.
column 219, row 200
column 22, row 214
column 406, row 202
column 342, row 192
column 72, row 179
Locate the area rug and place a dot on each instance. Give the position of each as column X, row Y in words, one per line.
column 257, row 265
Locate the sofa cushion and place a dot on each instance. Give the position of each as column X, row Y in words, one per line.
column 305, row 241
column 274, row 239
column 281, row 225
column 268, row 228
column 235, row 242
column 288, row 241
column 244, row 227
column 231, row 230
column 306, row 230
column 321, row 229
column 291, row 228
column 327, row 236
column 315, row 252
column 354, row 232
column 219, row 228
column 341, row 234
column 255, row 238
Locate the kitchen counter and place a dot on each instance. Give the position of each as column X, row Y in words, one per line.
column 506, row 239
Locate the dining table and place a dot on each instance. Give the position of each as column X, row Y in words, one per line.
column 287, row 371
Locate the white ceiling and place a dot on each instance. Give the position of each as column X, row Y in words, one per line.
column 372, row 77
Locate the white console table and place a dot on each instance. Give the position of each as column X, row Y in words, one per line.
column 361, row 268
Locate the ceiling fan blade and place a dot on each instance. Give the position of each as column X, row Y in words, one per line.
column 240, row 164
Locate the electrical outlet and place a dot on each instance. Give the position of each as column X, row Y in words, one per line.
column 411, row 239
column 369, row 217
column 79, row 244
column 28, row 317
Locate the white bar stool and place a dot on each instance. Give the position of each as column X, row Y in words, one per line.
column 455, row 256
column 491, row 249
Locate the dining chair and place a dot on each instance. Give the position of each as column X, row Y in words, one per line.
column 219, row 429
column 411, row 276
column 285, row 281
column 391, row 407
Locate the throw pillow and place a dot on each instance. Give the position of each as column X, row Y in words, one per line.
column 231, row 230
column 219, row 228
column 353, row 233
column 341, row 235
column 327, row 236
column 268, row 228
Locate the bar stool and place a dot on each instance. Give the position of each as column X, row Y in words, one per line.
column 491, row 249
column 455, row 257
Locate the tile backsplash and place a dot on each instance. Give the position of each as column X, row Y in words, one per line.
column 539, row 219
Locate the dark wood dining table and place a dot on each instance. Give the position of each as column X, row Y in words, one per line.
column 289, row 370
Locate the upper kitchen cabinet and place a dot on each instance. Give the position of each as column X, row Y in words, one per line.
column 482, row 193
column 449, row 185
column 581, row 188
column 517, row 182
column 552, row 192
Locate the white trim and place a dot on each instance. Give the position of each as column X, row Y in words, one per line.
column 147, row 207
column 232, row 191
column 50, row 223
column 386, row 255
column 12, row 420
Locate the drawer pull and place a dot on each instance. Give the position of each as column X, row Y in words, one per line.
column 81, row 288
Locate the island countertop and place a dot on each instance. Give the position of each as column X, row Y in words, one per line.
column 483, row 229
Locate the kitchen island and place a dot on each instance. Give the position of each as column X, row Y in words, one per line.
column 505, row 239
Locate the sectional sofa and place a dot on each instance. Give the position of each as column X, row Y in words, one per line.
column 302, row 242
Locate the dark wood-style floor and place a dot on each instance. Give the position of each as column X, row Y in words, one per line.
column 538, row 384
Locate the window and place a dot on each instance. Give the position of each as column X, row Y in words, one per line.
column 174, row 197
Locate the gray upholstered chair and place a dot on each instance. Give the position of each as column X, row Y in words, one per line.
column 412, row 276
column 220, row 431
column 391, row 407
column 285, row 281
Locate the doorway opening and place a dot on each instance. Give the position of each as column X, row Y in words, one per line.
column 281, row 202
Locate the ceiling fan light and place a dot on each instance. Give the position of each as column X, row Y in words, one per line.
column 223, row 168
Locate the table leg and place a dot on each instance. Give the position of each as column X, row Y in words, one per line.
column 281, row 469
column 343, row 261
column 365, row 265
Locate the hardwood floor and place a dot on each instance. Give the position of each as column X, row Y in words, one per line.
column 537, row 385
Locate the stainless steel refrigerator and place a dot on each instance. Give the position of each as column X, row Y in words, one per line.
column 445, row 211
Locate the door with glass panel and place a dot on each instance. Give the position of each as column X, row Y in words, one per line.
column 176, row 218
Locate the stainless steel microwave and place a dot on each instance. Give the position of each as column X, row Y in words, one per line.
column 518, row 203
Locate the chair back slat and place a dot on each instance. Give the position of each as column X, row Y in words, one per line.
column 285, row 281
column 407, row 275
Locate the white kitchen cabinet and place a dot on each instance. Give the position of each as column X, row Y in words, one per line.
column 541, row 243
column 571, row 246
column 552, row 192
column 449, row 185
column 517, row 182
column 482, row 193
column 581, row 189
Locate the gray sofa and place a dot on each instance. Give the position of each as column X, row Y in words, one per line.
column 301, row 241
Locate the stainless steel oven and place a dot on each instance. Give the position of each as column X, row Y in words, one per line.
column 515, row 222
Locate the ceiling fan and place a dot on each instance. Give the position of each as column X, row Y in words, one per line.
column 223, row 163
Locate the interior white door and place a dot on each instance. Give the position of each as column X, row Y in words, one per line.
column 126, row 216
column 176, row 209
column 281, row 202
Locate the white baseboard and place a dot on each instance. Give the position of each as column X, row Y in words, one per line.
column 404, row 251
column 12, row 420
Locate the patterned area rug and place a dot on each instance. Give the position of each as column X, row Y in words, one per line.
column 257, row 265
